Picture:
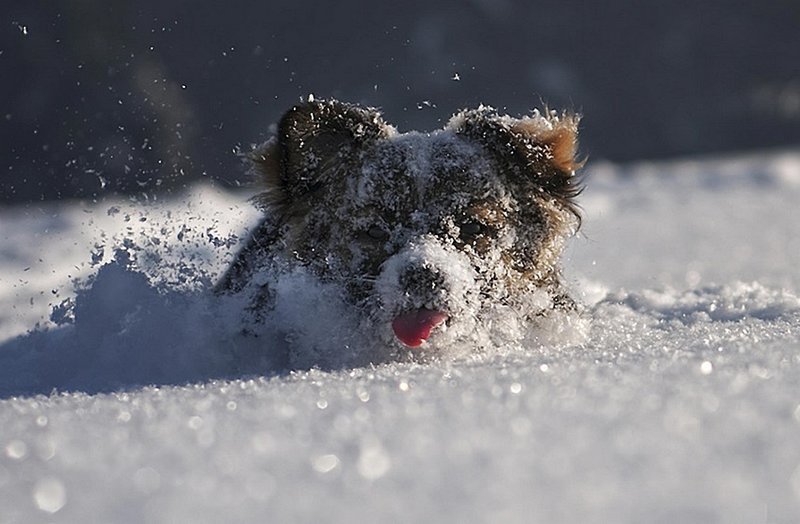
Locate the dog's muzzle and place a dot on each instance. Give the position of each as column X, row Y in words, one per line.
column 424, row 286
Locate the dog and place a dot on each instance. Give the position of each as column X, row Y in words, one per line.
column 427, row 236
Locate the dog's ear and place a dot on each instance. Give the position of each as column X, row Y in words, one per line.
column 537, row 151
column 314, row 142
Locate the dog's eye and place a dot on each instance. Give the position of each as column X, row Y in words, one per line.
column 471, row 229
column 375, row 233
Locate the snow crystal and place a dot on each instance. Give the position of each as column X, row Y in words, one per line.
column 50, row 495
column 16, row 450
column 373, row 460
column 325, row 463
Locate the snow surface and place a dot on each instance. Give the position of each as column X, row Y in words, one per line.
column 675, row 398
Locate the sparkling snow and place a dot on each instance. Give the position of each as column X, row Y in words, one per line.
column 675, row 398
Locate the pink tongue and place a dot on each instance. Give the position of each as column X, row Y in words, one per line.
column 414, row 327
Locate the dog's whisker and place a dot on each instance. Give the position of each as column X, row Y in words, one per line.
column 364, row 279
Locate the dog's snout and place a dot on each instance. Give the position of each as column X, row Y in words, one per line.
column 427, row 275
column 422, row 279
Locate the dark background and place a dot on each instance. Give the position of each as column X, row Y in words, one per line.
column 140, row 97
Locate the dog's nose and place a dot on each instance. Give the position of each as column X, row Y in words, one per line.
column 421, row 280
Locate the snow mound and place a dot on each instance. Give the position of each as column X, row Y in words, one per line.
column 119, row 331
column 729, row 303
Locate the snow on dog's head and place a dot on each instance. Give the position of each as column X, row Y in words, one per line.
column 429, row 235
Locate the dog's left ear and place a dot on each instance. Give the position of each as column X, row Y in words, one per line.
column 315, row 140
column 537, row 151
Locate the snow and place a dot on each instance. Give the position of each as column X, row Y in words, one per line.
column 673, row 398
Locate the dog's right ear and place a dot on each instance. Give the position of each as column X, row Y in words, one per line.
column 537, row 151
column 315, row 140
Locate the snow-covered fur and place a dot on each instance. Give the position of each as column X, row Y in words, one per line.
column 427, row 235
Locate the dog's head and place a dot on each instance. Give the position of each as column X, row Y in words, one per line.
column 424, row 231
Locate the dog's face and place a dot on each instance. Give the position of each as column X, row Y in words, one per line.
column 425, row 232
